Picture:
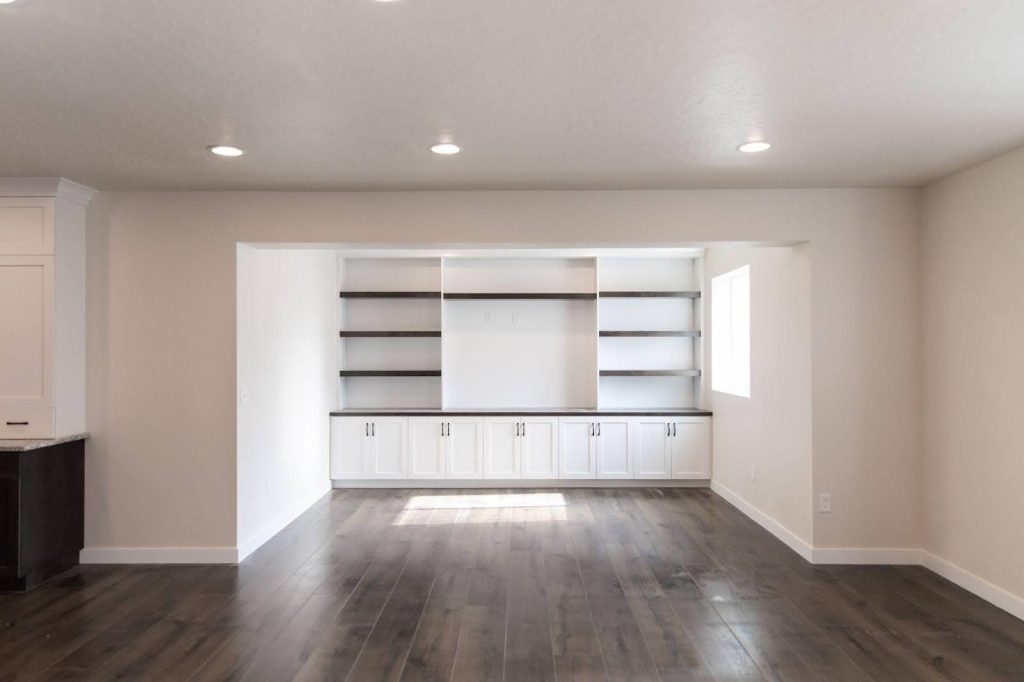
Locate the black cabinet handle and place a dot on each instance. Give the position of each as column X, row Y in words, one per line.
column 668, row 429
column 517, row 429
column 524, row 428
column 599, row 429
column 367, row 428
column 17, row 423
column 449, row 429
column 674, row 434
column 591, row 429
column 373, row 429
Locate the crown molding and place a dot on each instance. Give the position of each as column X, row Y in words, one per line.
column 60, row 188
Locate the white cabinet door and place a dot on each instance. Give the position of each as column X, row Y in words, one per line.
column 350, row 448
column 465, row 447
column 691, row 448
column 26, row 331
column 390, row 451
column 576, row 447
column 653, row 458
column 426, row 447
column 26, row 226
column 538, row 447
column 614, row 447
column 501, row 447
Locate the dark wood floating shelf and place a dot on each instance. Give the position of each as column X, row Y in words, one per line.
column 366, row 335
column 650, row 372
column 519, row 296
column 390, row 373
column 389, row 294
column 650, row 294
column 691, row 334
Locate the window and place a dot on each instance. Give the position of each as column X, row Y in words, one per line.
column 730, row 332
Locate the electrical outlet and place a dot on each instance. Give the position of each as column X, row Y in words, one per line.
column 825, row 503
column 243, row 397
column 488, row 317
column 515, row 319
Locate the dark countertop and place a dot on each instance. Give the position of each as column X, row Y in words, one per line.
column 14, row 445
column 532, row 412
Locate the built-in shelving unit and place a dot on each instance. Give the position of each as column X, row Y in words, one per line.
column 389, row 347
column 512, row 330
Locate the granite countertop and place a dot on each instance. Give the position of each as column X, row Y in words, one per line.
column 537, row 412
column 11, row 445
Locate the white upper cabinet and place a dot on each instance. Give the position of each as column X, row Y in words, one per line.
column 26, row 331
column 42, row 307
column 26, row 226
column 539, row 447
column 426, row 447
column 614, row 447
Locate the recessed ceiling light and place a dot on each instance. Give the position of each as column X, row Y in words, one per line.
column 446, row 148
column 225, row 150
column 754, row 146
column 6, row 2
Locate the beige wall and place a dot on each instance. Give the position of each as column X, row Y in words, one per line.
column 770, row 430
column 161, row 305
column 974, row 370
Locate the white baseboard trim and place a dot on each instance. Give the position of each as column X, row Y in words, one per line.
column 472, row 484
column 866, row 556
column 975, row 584
column 887, row 556
column 791, row 539
column 278, row 523
column 159, row 555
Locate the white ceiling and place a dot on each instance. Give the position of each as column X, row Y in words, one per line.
column 349, row 94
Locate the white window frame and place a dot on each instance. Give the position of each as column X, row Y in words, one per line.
column 730, row 332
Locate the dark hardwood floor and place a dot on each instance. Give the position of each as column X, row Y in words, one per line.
column 641, row 584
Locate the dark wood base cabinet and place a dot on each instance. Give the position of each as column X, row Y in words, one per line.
column 41, row 513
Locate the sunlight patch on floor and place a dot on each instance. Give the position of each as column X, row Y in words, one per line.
column 430, row 510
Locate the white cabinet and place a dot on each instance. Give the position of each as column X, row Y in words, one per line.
column 389, row 451
column 673, row 447
column 369, row 447
column 576, row 447
column 521, row 447
column 464, row 448
column 538, row 447
column 427, row 447
column 350, row 448
column 613, row 447
column 691, row 448
column 42, row 307
column 653, row 448
column 26, row 331
column 26, row 226
column 501, row 447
